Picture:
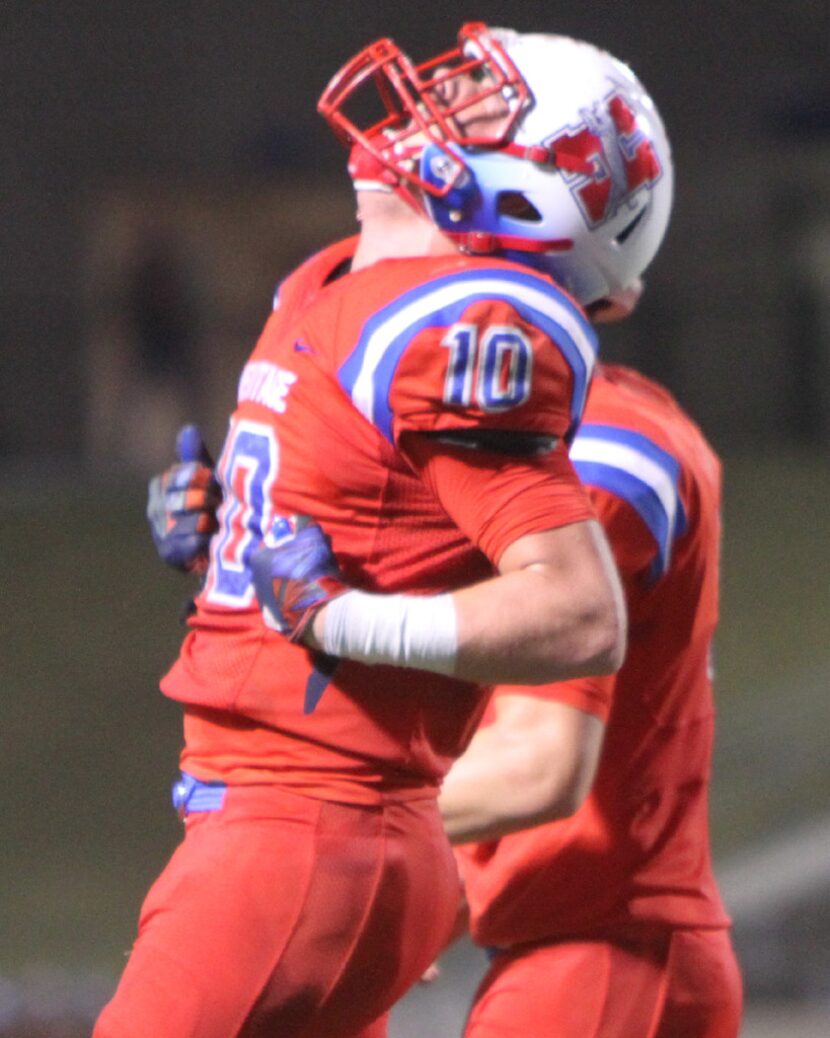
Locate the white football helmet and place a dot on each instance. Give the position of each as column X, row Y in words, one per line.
column 574, row 176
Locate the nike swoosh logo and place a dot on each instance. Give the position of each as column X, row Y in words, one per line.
column 303, row 347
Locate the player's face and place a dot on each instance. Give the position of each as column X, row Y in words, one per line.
column 477, row 115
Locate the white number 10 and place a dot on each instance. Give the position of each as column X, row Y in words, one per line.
column 492, row 369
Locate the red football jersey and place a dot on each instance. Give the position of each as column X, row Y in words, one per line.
column 637, row 852
column 349, row 368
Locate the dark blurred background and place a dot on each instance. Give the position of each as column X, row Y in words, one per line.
column 163, row 167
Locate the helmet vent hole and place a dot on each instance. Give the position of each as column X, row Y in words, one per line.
column 518, row 207
column 626, row 232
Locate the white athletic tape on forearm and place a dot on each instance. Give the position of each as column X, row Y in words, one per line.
column 404, row 630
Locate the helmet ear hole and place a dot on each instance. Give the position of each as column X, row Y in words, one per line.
column 517, row 206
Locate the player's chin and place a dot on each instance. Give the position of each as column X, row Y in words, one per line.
column 616, row 307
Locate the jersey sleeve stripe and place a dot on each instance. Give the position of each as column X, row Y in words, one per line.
column 368, row 371
column 634, row 468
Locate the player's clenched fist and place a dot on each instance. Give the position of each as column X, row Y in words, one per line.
column 295, row 573
column 182, row 504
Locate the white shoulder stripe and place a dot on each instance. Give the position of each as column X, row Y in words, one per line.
column 454, row 292
column 628, row 459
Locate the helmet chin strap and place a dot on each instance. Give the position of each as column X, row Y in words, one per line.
column 484, row 243
column 369, row 173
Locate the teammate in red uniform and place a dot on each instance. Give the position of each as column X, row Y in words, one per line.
column 415, row 392
column 609, row 922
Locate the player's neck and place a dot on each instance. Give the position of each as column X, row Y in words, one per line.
column 391, row 229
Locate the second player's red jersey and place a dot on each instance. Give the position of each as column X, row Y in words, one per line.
column 343, row 414
column 637, row 852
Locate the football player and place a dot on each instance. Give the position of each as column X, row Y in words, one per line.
column 608, row 921
column 415, row 392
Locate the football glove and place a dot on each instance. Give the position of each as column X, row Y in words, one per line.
column 182, row 504
column 295, row 573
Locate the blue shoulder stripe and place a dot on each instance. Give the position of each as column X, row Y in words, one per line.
column 636, row 469
column 367, row 373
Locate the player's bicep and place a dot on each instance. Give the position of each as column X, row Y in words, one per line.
column 495, row 498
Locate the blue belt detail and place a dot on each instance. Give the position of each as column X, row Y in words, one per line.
column 190, row 794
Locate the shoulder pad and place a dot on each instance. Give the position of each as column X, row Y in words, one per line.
column 443, row 303
column 631, row 466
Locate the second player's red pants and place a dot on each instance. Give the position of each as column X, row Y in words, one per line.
column 684, row 984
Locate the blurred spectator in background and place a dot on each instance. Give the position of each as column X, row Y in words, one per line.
column 162, row 331
column 160, row 312
column 144, row 369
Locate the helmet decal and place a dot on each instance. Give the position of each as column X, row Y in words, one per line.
column 621, row 157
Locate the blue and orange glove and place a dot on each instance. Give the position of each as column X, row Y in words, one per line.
column 295, row 573
column 182, row 504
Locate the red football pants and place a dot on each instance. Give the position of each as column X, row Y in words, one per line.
column 681, row 985
column 281, row 915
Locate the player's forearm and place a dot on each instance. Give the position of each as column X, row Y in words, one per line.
column 528, row 628
column 545, row 619
column 497, row 787
column 512, row 630
column 478, row 793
